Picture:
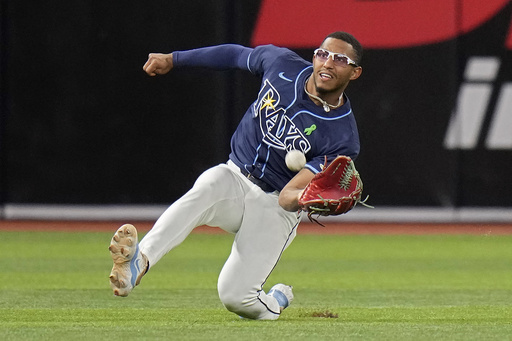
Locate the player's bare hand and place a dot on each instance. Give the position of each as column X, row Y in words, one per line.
column 158, row 64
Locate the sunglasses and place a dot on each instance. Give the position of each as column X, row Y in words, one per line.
column 339, row 59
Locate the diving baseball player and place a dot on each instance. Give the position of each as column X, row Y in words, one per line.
column 300, row 106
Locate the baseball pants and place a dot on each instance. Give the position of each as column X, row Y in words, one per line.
column 223, row 197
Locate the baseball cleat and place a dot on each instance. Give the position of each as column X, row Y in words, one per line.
column 283, row 294
column 129, row 263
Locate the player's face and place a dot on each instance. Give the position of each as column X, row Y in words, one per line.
column 330, row 77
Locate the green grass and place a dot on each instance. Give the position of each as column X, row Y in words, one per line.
column 54, row 286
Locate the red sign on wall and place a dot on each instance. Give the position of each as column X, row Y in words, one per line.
column 378, row 24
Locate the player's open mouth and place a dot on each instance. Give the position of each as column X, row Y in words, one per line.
column 325, row 76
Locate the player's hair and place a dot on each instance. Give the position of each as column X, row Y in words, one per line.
column 350, row 39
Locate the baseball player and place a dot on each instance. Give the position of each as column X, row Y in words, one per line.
column 300, row 105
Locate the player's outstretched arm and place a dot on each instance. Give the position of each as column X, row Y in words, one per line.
column 290, row 194
column 158, row 64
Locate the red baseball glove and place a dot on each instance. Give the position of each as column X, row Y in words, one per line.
column 333, row 191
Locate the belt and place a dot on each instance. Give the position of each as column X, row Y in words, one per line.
column 258, row 182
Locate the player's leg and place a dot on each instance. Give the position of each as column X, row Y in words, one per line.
column 266, row 231
column 217, row 189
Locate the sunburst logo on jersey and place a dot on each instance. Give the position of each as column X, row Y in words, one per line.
column 268, row 102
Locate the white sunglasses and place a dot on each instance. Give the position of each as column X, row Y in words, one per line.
column 339, row 59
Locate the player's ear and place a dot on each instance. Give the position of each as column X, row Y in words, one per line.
column 356, row 73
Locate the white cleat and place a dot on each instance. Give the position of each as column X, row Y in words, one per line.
column 129, row 263
column 283, row 294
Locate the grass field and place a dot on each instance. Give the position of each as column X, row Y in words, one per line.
column 54, row 286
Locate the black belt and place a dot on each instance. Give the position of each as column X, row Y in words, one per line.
column 258, row 182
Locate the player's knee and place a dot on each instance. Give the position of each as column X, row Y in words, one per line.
column 231, row 299
column 235, row 301
column 244, row 303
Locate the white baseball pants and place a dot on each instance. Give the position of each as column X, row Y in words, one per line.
column 223, row 197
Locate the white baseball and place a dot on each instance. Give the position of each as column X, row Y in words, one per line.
column 295, row 160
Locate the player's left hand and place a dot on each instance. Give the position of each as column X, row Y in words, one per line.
column 333, row 191
column 158, row 64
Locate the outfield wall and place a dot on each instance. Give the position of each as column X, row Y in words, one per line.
column 131, row 213
column 82, row 126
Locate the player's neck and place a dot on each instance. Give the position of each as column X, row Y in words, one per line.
column 327, row 100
